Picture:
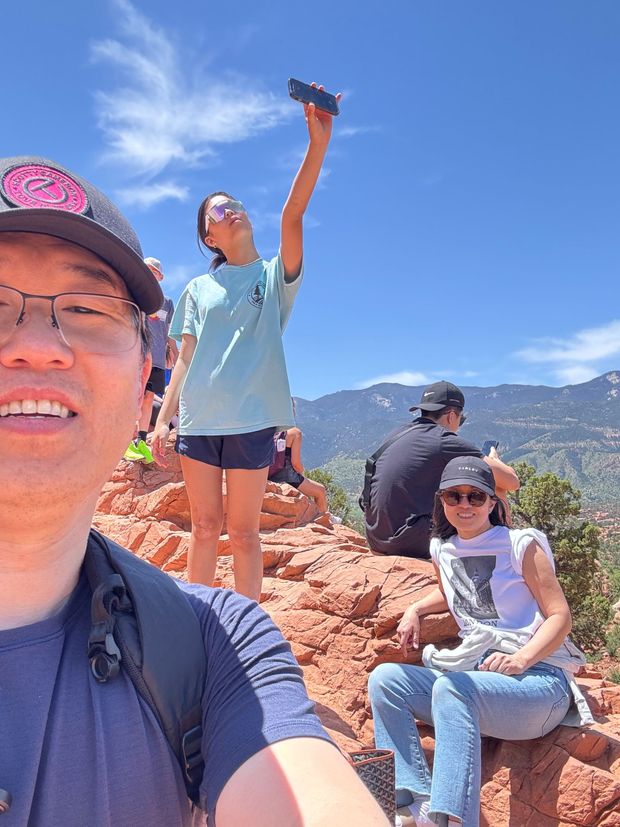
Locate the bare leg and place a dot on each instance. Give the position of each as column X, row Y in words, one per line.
column 204, row 489
column 317, row 491
column 245, row 490
column 145, row 412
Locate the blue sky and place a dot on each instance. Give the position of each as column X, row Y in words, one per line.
column 466, row 225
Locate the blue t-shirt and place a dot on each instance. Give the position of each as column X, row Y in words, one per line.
column 158, row 324
column 81, row 754
column 237, row 381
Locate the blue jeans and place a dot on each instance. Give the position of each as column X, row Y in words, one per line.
column 461, row 706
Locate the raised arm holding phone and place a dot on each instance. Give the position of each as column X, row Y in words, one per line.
column 230, row 380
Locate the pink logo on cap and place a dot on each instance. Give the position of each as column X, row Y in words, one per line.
column 35, row 185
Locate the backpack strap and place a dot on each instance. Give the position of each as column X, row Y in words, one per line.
column 143, row 623
column 371, row 463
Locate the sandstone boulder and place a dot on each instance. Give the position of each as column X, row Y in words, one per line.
column 339, row 606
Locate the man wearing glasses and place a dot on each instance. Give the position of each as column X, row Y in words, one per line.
column 74, row 361
column 403, row 474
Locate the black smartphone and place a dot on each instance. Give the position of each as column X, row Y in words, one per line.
column 305, row 93
column 490, row 443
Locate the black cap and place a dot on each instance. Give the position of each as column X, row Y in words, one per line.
column 468, row 471
column 440, row 395
column 40, row 196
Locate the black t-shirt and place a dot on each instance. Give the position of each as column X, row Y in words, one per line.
column 403, row 487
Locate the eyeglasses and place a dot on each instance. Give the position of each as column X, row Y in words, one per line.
column 85, row 321
column 474, row 498
column 218, row 212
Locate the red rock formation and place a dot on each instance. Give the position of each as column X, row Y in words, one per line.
column 339, row 606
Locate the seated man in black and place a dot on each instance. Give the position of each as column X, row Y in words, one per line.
column 398, row 494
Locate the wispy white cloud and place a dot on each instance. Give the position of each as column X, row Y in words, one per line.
column 577, row 358
column 404, row 377
column 351, row 131
column 289, row 161
column 170, row 107
column 584, row 346
column 177, row 276
column 575, row 374
column 147, row 195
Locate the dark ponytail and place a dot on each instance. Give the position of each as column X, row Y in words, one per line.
column 441, row 527
column 218, row 256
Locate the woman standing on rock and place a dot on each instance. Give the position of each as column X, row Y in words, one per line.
column 510, row 678
column 230, row 379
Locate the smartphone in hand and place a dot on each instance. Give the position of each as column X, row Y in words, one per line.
column 304, row 93
column 490, row 443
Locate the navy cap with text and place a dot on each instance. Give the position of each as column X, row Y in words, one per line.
column 468, row 471
column 40, row 196
column 440, row 395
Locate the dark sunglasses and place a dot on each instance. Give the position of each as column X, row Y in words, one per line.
column 474, row 498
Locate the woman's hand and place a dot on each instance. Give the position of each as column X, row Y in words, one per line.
column 161, row 433
column 504, row 664
column 409, row 629
column 319, row 122
column 172, row 354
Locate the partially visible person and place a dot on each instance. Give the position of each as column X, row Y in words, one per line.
column 74, row 361
column 164, row 352
column 501, row 493
column 400, row 485
column 288, row 467
column 157, row 403
column 230, row 381
column 512, row 677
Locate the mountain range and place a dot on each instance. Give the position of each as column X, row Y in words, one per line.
column 573, row 431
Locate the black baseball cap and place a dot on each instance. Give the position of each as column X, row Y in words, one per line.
column 440, row 395
column 468, row 471
column 40, row 196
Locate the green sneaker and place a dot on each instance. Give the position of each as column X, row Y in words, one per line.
column 132, row 454
column 145, row 451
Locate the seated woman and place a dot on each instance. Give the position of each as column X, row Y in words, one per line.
column 288, row 467
column 511, row 677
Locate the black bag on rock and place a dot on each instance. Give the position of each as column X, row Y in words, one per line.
column 375, row 767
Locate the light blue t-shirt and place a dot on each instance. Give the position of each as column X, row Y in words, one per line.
column 237, row 380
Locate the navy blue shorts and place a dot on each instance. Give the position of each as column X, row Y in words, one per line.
column 157, row 381
column 250, row 451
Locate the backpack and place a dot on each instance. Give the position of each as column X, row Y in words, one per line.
column 279, row 460
column 139, row 617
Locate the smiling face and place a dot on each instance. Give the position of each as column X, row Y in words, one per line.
column 66, row 414
column 468, row 520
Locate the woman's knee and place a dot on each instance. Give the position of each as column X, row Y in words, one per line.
column 242, row 537
column 381, row 678
column 393, row 681
column 453, row 689
column 206, row 525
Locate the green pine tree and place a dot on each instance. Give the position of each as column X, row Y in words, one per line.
column 553, row 505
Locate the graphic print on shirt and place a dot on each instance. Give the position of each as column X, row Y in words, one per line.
column 471, row 581
column 256, row 296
